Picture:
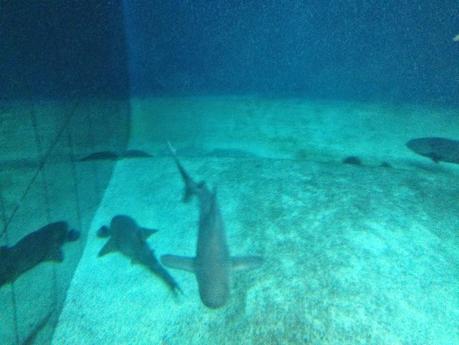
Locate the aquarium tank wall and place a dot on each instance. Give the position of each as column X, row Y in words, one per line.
column 63, row 95
column 229, row 172
column 351, row 50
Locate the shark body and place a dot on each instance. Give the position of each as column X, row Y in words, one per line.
column 437, row 149
column 42, row 245
column 129, row 239
column 212, row 264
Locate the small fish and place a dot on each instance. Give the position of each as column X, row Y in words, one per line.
column 39, row 246
column 437, row 149
column 129, row 239
column 456, row 38
column 353, row 160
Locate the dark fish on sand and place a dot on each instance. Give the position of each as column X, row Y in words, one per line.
column 39, row 246
column 126, row 237
column 212, row 264
column 102, row 155
column 135, row 154
column 112, row 156
column 352, row 160
column 437, row 149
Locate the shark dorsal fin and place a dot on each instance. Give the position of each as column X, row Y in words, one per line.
column 109, row 247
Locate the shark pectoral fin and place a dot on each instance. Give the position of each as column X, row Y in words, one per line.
column 103, row 231
column 73, row 235
column 187, row 194
column 107, row 248
column 146, row 233
column 184, row 263
column 242, row 263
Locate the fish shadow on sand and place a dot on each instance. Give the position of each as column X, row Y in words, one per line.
column 42, row 245
column 128, row 238
column 112, row 156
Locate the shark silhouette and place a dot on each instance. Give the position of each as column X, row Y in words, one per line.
column 39, row 246
column 111, row 155
column 129, row 239
column 213, row 264
column 437, row 149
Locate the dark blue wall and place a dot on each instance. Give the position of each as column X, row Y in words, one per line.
column 60, row 48
column 357, row 50
column 366, row 50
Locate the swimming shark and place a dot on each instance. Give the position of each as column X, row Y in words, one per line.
column 437, row 149
column 212, row 264
column 39, row 246
column 129, row 239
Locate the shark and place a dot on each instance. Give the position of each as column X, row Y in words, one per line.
column 42, row 245
column 435, row 148
column 213, row 264
column 129, row 239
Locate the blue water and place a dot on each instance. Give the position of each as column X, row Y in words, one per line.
column 356, row 50
column 398, row 51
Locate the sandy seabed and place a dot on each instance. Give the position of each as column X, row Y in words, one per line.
column 353, row 254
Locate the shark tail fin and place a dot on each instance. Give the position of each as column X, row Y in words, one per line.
column 184, row 263
column 191, row 187
column 73, row 235
column 242, row 263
